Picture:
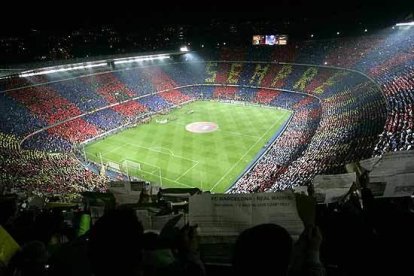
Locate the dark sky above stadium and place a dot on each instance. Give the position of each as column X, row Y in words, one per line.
column 66, row 15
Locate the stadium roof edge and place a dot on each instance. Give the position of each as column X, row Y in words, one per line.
column 90, row 62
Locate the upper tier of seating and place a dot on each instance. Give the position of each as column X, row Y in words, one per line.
column 348, row 115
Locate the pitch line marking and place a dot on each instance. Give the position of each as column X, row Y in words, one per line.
column 229, row 170
column 238, row 134
column 221, row 130
column 156, row 170
column 175, row 181
column 152, row 149
column 161, row 148
column 171, row 180
column 111, row 150
column 173, row 155
column 184, row 173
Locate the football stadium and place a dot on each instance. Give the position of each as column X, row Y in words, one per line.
column 287, row 153
column 186, row 151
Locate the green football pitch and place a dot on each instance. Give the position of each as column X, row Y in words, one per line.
column 166, row 153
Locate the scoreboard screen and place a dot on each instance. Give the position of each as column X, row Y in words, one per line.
column 258, row 40
column 270, row 40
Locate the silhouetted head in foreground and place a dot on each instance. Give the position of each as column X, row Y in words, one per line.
column 115, row 244
column 263, row 249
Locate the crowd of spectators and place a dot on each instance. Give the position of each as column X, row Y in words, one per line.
column 288, row 147
column 344, row 135
column 345, row 125
column 39, row 173
column 16, row 119
column 398, row 130
column 75, row 131
column 45, row 104
column 357, row 235
column 175, row 97
column 280, row 159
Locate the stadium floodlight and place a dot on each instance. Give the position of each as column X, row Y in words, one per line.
column 405, row 24
column 60, row 69
column 184, row 49
column 140, row 58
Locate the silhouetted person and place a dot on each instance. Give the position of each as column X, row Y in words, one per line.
column 115, row 244
column 262, row 250
column 31, row 260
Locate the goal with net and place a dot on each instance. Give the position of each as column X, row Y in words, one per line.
column 142, row 170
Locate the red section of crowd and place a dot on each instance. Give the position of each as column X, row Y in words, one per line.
column 303, row 102
column 225, row 93
column 318, row 80
column 46, row 103
column 75, row 131
column 222, row 72
column 265, row 96
column 271, row 73
column 388, row 66
column 159, row 79
column 175, row 96
column 112, row 89
column 130, row 109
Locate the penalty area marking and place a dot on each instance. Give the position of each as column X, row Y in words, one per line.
column 158, row 176
column 154, row 150
column 160, row 150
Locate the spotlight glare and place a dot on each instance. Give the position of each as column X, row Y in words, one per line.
column 184, row 49
column 405, row 24
column 141, row 58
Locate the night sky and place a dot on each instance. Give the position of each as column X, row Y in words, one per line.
column 66, row 15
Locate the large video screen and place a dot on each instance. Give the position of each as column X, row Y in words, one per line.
column 270, row 40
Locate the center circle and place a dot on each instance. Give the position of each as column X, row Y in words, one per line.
column 201, row 127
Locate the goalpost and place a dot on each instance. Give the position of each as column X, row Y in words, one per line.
column 141, row 169
column 128, row 167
